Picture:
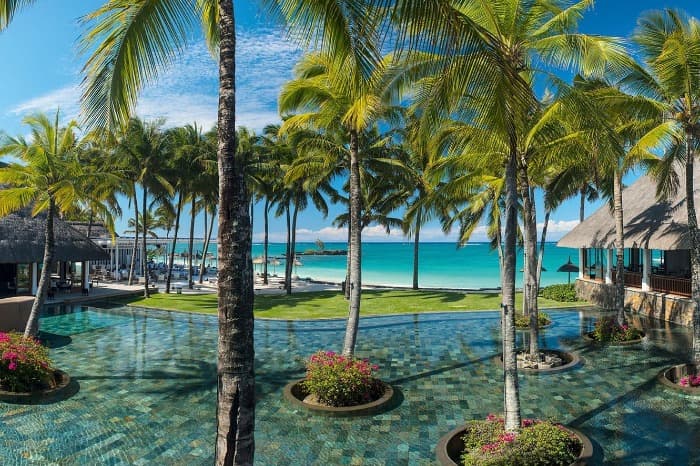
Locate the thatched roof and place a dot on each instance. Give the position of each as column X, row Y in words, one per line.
column 22, row 241
column 97, row 231
column 649, row 222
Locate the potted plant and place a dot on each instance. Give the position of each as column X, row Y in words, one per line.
column 26, row 372
column 608, row 330
column 340, row 384
column 538, row 442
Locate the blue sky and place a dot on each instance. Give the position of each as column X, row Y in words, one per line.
column 41, row 71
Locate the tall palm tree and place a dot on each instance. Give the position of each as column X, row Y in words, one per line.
column 669, row 43
column 142, row 149
column 500, row 48
column 50, row 179
column 335, row 97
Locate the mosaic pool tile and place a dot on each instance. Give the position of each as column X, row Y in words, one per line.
column 147, row 391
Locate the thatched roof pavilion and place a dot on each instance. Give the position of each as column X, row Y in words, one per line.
column 22, row 241
column 649, row 223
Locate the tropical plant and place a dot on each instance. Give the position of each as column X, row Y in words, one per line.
column 24, row 364
column 501, row 48
column 328, row 96
column 49, row 178
column 669, row 45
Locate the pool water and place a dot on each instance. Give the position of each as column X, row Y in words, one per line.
column 147, row 390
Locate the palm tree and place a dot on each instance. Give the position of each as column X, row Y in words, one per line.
column 129, row 44
column 142, row 149
column 501, row 48
column 669, row 43
column 50, row 179
column 335, row 97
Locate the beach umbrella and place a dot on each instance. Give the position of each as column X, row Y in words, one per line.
column 258, row 260
column 297, row 263
column 568, row 267
column 543, row 269
column 274, row 263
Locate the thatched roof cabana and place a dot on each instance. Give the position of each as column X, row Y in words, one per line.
column 649, row 222
column 22, row 241
column 97, row 230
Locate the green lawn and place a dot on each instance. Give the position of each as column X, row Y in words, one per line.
column 329, row 304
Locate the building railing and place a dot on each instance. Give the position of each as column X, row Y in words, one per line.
column 632, row 279
column 674, row 285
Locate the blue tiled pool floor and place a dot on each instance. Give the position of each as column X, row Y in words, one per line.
column 147, row 391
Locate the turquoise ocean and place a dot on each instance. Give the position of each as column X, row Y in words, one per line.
column 441, row 265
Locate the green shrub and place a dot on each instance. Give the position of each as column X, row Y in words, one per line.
column 563, row 292
column 24, row 364
column 337, row 380
column 523, row 321
column 608, row 330
column 539, row 442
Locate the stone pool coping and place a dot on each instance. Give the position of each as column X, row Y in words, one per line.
column 451, row 445
column 295, row 395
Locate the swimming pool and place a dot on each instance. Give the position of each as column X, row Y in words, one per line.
column 148, row 392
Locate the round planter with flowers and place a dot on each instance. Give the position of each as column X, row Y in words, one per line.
column 684, row 378
column 339, row 385
column 607, row 331
column 26, row 373
column 538, row 442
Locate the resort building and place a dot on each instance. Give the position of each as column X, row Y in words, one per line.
column 22, row 239
column 119, row 250
column 656, row 256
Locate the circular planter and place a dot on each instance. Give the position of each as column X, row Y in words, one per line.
column 63, row 386
column 670, row 376
column 589, row 338
column 541, row 327
column 295, row 393
column 450, row 447
column 571, row 360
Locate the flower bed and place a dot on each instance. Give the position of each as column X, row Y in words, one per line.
column 539, row 442
column 523, row 321
column 24, row 364
column 607, row 330
column 336, row 380
column 340, row 384
column 26, row 373
column 683, row 378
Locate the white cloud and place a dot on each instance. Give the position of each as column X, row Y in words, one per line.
column 188, row 91
column 65, row 98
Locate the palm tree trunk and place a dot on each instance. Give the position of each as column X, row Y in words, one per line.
column 206, row 247
column 49, row 245
column 540, row 256
column 91, row 219
column 347, row 259
column 582, row 205
column 620, row 249
column 530, row 247
column 416, row 242
column 511, row 393
column 190, row 271
column 355, row 282
column 172, row 251
column 288, row 252
column 695, row 244
column 136, row 238
column 292, row 249
column 143, row 248
column 266, row 240
column 235, row 444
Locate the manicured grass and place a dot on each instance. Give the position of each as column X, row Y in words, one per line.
column 330, row 304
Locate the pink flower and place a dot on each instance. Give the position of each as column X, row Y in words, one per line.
column 12, row 366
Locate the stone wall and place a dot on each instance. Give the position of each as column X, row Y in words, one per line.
column 661, row 306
